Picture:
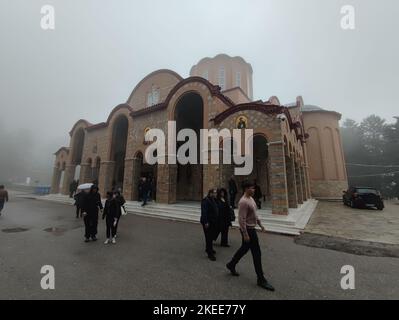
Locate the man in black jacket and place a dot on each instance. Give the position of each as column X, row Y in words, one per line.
column 91, row 204
column 146, row 188
column 209, row 221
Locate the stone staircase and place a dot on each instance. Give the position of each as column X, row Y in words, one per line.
column 291, row 224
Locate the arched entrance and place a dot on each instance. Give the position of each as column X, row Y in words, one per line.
column 96, row 170
column 149, row 172
column 261, row 165
column 189, row 114
column 118, row 150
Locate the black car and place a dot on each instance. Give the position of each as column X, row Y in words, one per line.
column 363, row 197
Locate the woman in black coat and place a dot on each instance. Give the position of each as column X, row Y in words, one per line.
column 112, row 214
column 224, row 218
column 91, row 204
column 209, row 221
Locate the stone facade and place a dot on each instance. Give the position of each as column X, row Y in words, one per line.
column 115, row 150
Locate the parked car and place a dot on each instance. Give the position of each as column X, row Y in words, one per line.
column 363, row 197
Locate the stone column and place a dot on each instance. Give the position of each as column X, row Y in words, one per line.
column 307, row 182
column 55, row 182
column 307, row 177
column 299, row 183
column 223, row 171
column 304, row 184
column 85, row 173
column 131, row 177
column 166, row 183
column 291, row 182
column 69, row 175
column 105, row 177
column 278, row 178
column 211, row 173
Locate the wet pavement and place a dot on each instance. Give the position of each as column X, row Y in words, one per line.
column 162, row 259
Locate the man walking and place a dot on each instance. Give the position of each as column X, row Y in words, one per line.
column 3, row 197
column 248, row 220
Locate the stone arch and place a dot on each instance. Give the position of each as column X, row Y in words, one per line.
column 96, row 165
column 119, row 132
column 261, row 167
column 189, row 113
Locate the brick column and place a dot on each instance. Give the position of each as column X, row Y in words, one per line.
column 105, row 177
column 69, row 174
column 307, row 177
column 304, row 184
column 291, row 182
column 166, row 183
column 278, row 178
column 55, row 181
column 85, row 173
column 299, row 183
column 307, row 184
column 211, row 174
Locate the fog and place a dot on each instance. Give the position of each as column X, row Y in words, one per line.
column 101, row 49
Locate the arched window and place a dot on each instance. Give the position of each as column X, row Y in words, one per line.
column 153, row 96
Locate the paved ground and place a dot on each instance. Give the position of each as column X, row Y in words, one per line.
column 160, row 259
column 336, row 220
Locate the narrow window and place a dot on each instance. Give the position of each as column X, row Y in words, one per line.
column 238, row 79
column 222, row 78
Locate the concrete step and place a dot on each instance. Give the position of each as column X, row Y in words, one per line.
column 292, row 224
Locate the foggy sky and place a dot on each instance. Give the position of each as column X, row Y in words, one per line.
column 101, row 49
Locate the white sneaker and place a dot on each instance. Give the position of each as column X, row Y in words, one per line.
column 113, row 240
column 106, row 241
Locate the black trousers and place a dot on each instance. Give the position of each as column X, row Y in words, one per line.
column 209, row 237
column 224, row 231
column 110, row 228
column 116, row 227
column 78, row 211
column 91, row 222
column 252, row 245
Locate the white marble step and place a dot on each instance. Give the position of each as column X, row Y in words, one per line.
column 291, row 224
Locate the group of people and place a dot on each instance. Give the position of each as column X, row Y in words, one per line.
column 217, row 214
column 88, row 205
column 146, row 189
